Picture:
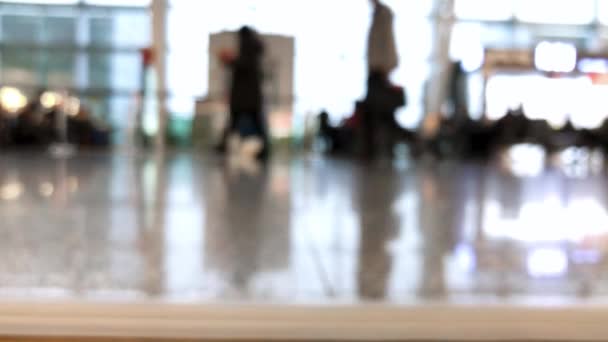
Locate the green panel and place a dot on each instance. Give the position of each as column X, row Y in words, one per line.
column 22, row 28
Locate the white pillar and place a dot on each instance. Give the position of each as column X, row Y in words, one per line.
column 159, row 44
column 437, row 90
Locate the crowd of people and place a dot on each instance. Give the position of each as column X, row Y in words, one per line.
column 481, row 137
column 37, row 125
column 465, row 137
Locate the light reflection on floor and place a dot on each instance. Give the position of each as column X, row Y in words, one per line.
column 304, row 230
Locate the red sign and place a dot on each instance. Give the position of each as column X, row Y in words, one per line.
column 147, row 56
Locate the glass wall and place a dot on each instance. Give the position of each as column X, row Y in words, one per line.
column 556, row 11
column 484, row 10
column 532, row 11
column 330, row 41
column 522, row 24
column 330, row 38
column 90, row 48
column 602, row 11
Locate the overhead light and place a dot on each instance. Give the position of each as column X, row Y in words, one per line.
column 73, row 184
column 46, row 189
column 71, row 106
column 50, row 99
column 11, row 191
column 12, row 99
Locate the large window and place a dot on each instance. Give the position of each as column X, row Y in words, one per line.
column 330, row 38
column 90, row 48
column 556, row 11
column 484, row 10
column 532, row 11
column 520, row 24
column 602, row 11
column 141, row 3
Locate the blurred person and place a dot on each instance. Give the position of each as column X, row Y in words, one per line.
column 329, row 134
column 340, row 139
column 5, row 131
column 29, row 126
column 84, row 129
column 458, row 92
column 246, row 98
column 382, row 98
column 600, row 136
column 382, row 55
column 379, row 127
column 568, row 136
column 479, row 137
column 511, row 128
column 5, row 127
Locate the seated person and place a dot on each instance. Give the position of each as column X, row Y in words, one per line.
column 340, row 139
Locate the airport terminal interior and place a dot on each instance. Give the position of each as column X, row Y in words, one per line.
column 290, row 170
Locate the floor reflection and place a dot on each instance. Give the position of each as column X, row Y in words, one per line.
column 304, row 230
column 378, row 226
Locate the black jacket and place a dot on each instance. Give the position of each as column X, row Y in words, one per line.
column 246, row 88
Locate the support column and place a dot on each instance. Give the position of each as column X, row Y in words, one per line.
column 159, row 44
column 444, row 22
column 82, row 58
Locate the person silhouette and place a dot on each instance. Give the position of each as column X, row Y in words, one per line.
column 382, row 98
column 246, row 96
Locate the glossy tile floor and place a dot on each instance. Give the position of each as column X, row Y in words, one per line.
column 305, row 230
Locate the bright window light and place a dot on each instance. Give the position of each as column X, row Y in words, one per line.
column 507, row 92
column 90, row 2
column 556, row 57
column 549, row 221
column 466, row 46
column 590, row 111
column 547, row 262
column 602, row 11
column 593, row 65
column 556, row 11
column 483, row 9
column 344, row 61
column 526, row 160
column 43, row 2
column 12, row 99
column 142, row 3
column 552, row 99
